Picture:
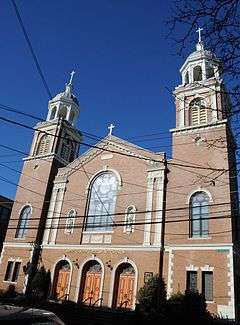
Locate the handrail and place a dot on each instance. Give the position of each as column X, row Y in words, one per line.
column 99, row 299
column 88, row 298
column 124, row 303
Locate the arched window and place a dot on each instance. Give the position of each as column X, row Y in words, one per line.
column 197, row 73
column 71, row 117
column 197, row 112
column 186, row 78
column 62, row 112
column 53, row 113
column 210, row 72
column 70, row 221
column 23, row 222
column 102, row 201
column 44, row 144
column 199, row 213
column 129, row 219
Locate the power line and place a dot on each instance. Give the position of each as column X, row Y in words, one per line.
column 31, row 49
column 120, row 224
column 138, row 156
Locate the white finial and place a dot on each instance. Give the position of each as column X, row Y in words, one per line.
column 110, row 128
column 71, row 78
column 199, row 34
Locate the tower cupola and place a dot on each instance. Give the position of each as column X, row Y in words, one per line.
column 200, row 65
column 64, row 105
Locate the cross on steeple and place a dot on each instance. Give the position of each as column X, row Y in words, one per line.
column 110, row 128
column 199, row 34
column 71, row 78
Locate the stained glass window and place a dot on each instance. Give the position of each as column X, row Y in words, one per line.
column 129, row 219
column 23, row 222
column 102, row 202
column 199, row 212
column 70, row 221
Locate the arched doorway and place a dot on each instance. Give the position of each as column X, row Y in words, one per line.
column 91, row 283
column 123, row 296
column 61, row 280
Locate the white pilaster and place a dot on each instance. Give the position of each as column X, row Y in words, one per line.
column 159, row 211
column 50, row 215
column 57, row 215
column 181, row 113
column 214, row 107
column 148, row 215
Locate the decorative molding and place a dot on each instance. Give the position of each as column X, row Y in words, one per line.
column 207, row 126
column 199, row 189
column 191, row 267
column 112, row 141
column 170, row 274
column 207, row 268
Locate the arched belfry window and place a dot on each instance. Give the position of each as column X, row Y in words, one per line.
column 44, row 145
column 197, row 112
column 199, row 213
column 23, row 222
column 210, row 72
column 197, row 73
column 53, row 113
column 186, row 78
column 62, row 112
column 102, row 202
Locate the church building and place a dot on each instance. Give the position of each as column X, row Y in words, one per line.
column 106, row 221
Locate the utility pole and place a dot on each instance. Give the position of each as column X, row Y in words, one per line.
column 162, row 246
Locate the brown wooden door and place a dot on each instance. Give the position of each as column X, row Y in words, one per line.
column 91, row 291
column 62, row 284
column 125, row 290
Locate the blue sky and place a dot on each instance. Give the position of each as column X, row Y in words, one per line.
column 123, row 61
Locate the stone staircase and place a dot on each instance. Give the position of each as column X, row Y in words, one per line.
column 100, row 316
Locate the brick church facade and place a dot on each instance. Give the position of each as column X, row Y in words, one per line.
column 107, row 220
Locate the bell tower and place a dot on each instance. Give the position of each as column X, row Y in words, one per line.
column 57, row 136
column 55, row 144
column 201, row 97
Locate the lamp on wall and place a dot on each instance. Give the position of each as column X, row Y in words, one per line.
column 75, row 262
column 108, row 263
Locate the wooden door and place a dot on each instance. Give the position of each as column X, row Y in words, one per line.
column 62, row 284
column 91, row 292
column 125, row 290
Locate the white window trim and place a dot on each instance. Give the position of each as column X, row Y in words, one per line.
column 14, row 260
column 207, row 268
column 19, row 213
column 191, row 267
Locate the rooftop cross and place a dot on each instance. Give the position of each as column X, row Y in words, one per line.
column 71, row 78
column 110, row 128
column 199, row 34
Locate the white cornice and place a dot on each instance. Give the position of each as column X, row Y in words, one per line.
column 199, row 127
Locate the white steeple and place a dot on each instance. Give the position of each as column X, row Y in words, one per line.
column 64, row 105
column 200, row 65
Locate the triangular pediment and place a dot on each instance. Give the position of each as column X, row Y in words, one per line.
column 111, row 145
